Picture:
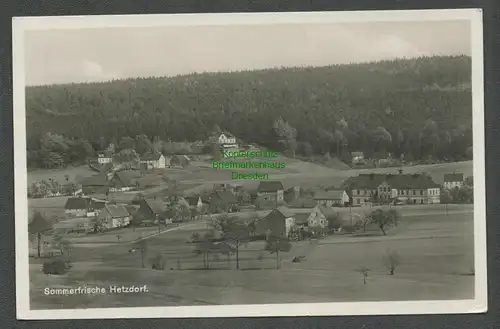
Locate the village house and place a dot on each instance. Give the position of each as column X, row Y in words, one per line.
column 97, row 184
column 223, row 201
column 194, row 202
column 312, row 220
column 83, row 207
column 357, row 158
column 178, row 161
column 410, row 188
column 121, row 181
column 332, row 198
column 227, row 141
column 103, row 158
column 453, row 180
column 113, row 216
column 150, row 211
column 279, row 223
column 271, row 191
column 153, row 160
column 291, row 194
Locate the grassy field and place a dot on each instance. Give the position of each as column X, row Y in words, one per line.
column 436, row 253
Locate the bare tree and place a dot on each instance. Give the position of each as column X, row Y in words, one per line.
column 364, row 272
column 391, row 260
column 385, row 219
column 275, row 245
column 142, row 246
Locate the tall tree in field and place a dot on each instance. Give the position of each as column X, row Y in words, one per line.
column 236, row 234
column 38, row 227
column 205, row 246
column 286, row 134
column 385, row 219
column 275, row 245
column 143, row 145
column 143, row 248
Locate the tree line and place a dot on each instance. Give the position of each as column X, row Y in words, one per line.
column 419, row 108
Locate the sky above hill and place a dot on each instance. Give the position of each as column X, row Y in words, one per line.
column 100, row 54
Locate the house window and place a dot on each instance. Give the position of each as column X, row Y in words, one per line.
column 413, row 192
column 357, row 192
column 421, row 192
column 422, row 201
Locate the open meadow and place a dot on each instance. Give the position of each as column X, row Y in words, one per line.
column 436, row 262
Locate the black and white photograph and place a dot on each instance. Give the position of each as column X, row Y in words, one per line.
column 249, row 164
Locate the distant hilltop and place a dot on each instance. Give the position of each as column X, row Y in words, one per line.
column 398, row 97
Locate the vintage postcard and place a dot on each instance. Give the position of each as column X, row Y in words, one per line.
column 230, row 165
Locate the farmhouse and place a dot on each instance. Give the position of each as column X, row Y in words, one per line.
column 83, row 207
column 223, row 201
column 412, row 188
column 114, row 216
column 150, row 211
column 278, row 222
column 313, row 220
column 271, row 191
column 453, row 180
column 121, row 181
column 153, row 160
column 332, row 198
column 96, row 184
column 227, row 140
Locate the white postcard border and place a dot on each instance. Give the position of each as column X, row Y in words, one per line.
column 477, row 305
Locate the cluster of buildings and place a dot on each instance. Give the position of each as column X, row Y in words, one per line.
column 149, row 161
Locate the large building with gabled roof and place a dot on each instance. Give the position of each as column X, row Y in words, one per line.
column 411, row 188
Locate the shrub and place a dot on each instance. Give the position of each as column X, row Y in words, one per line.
column 56, row 266
column 158, row 263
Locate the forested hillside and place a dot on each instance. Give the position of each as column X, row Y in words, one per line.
column 420, row 107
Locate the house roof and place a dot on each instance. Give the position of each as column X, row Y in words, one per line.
column 78, row 203
column 336, row 194
column 226, row 196
column 117, row 210
column 302, row 203
column 192, row 200
column 397, row 181
column 269, row 186
column 151, row 157
column 327, row 211
column 96, row 180
column 156, row 207
column 301, row 218
column 123, row 178
column 455, row 177
column 285, row 211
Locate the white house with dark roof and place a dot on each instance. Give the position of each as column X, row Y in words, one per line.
column 332, row 198
column 453, row 180
column 227, row 140
column 153, row 160
column 104, row 157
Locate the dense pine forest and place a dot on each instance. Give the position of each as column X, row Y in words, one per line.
column 421, row 108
